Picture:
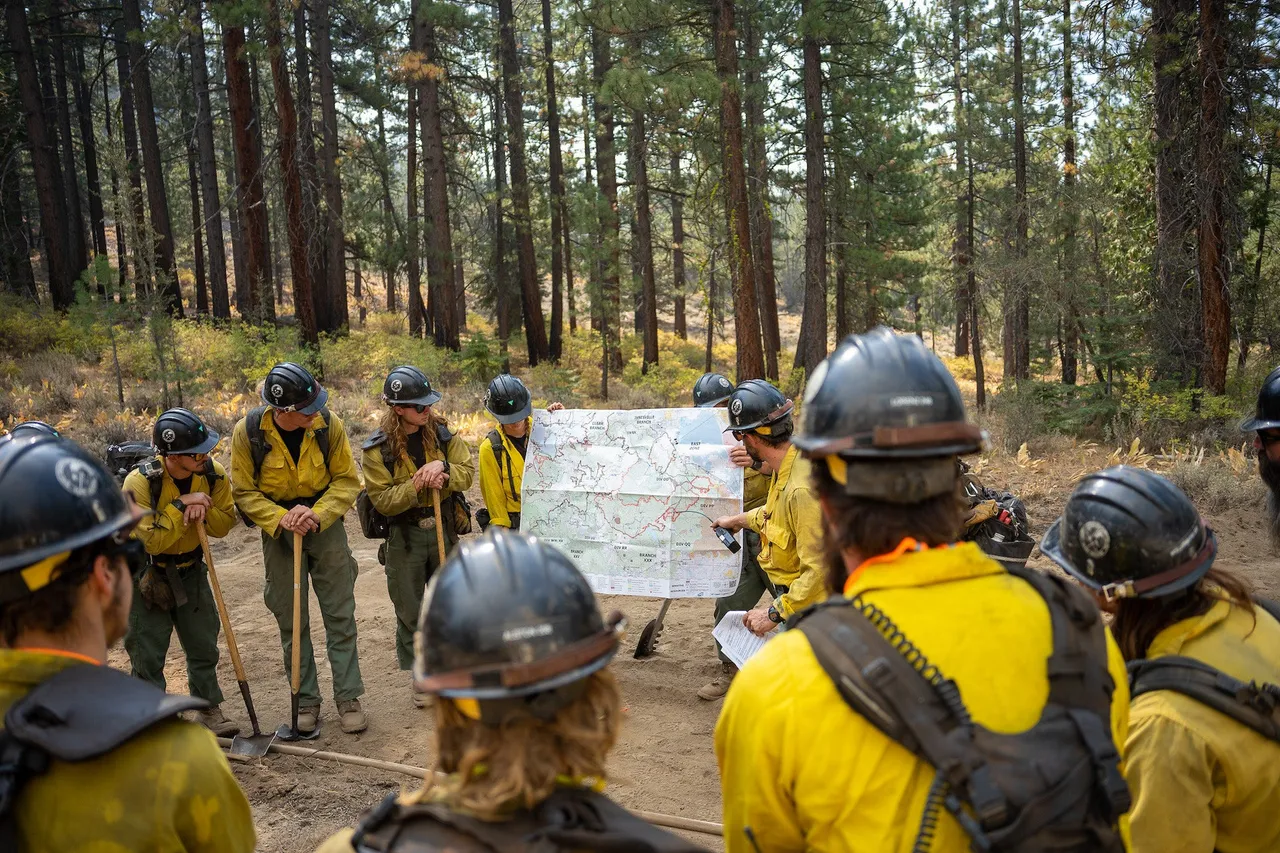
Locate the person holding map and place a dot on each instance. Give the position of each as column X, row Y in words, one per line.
column 502, row 452
column 790, row 522
column 712, row 390
column 513, row 643
column 411, row 454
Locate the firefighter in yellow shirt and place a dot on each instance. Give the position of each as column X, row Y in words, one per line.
column 120, row 770
column 1202, row 757
column 503, row 450
column 408, row 456
column 292, row 472
column 712, row 390
column 790, row 522
column 930, row 708
column 184, row 486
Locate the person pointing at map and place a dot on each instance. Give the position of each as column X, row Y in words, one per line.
column 713, row 390
column 502, row 452
column 790, row 522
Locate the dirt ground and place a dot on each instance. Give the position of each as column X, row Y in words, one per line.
column 664, row 762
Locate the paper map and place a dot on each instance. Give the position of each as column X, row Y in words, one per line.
column 626, row 494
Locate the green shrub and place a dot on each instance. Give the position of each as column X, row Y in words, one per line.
column 26, row 328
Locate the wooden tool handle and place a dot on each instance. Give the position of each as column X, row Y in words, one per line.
column 435, row 505
column 222, row 605
column 295, row 677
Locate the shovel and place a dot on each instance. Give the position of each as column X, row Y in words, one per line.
column 257, row 744
column 435, row 505
column 286, row 731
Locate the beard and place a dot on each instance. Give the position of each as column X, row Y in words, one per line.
column 1270, row 473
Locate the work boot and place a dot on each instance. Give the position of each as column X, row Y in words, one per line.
column 351, row 717
column 215, row 721
column 716, row 689
column 420, row 699
column 308, row 719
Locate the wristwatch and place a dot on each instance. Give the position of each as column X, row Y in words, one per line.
column 774, row 616
column 179, row 505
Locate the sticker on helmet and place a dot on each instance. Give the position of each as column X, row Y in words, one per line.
column 77, row 477
column 1095, row 539
column 815, row 381
column 277, row 391
column 910, row 400
column 724, row 383
column 396, row 385
column 168, row 436
column 736, row 407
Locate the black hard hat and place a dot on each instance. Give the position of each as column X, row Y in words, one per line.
column 179, row 432
column 711, row 389
column 408, row 386
column 290, row 387
column 30, row 428
column 508, row 400
column 1130, row 533
column 55, row 497
column 884, row 396
column 1267, row 413
column 755, row 405
column 508, row 616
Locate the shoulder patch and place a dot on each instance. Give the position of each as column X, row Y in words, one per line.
column 374, row 440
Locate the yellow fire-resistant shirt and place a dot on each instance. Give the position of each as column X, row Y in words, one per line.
column 393, row 493
column 501, row 479
column 1201, row 781
column 281, row 479
column 167, row 790
column 790, row 528
column 166, row 532
column 806, row 773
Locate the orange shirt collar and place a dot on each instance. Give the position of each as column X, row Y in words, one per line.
column 906, row 545
column 60, row 653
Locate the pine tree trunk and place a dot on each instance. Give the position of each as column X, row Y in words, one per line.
column 212, row 216
column 815, row 240
column 643, row 228
column 388, row 209
column 559, row 243
column 152, row 164
column 75, row 224
column 48, row 179
column 287, row 122
column 597, row 267
column 18, row 276
column 254, row 298
column 960, row 259
column 357, row 287
column 1249, row 298
column 439, row 236
column 535, row 330
column 417, row 312
column 1070, row 312
column 711, row 312
column 193, row 186
column 1214, row 252
column 758, row 193
column 746, row 310
column 1020, row 302
column 501, row 271
column 979, row 372
column 335, row 235
column 677, row 249
column 129, row 130
column 308, row 171
column 93, row 182
column 607, row 178
column 119, row 209
column 273, row 271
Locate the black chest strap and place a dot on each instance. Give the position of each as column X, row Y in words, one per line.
column 1250, row 704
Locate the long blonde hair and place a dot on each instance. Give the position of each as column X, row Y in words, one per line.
column 494, row 769
column 393, row 428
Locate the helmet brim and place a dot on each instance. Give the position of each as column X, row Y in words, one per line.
column 1255, row 423
column 322, row 397
column 210, row 442
column 1051, row 547
column 513, row 418
column 709, row 404
column 429, row 399
column 558, row 680
column 29, row 557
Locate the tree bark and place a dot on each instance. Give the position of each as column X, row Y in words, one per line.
column 309, row 173
column 274, row 266
column 129, row 130
column 535, row 330
column 746, row 310
column 193, row 186
column 815, row 241
column 607, row 178
column 559, row 215
column 75, row 223
column 18, row 274
column 254, row 297
column 677, row 249
column 439, row 236
column 1215, row 303
column 287, row 122
column 758, row 193
column 417, row 312
column 597, row 244
column 1070, row 312
column 643, row 228
column 711, row 312
column 979, row 372
column 960, row 252
column 501, row 270
column 388, row 209
column 93, row 180
column 1249, row 299
column 152, row 164
column 121, row 207
column 335, row 235
column 221, row 304
column 48, row 179
column 1020, row 301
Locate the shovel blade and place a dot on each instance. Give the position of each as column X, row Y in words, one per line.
column 252, row 746
column 287, row 732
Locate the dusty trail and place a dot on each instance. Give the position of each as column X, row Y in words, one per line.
column 664, row 762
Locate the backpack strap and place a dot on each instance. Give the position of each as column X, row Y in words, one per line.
column 322, row 436
column 152, row 470
column 79, row 714
column 1254, row 705
column 259, row 447
column 500, row 453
